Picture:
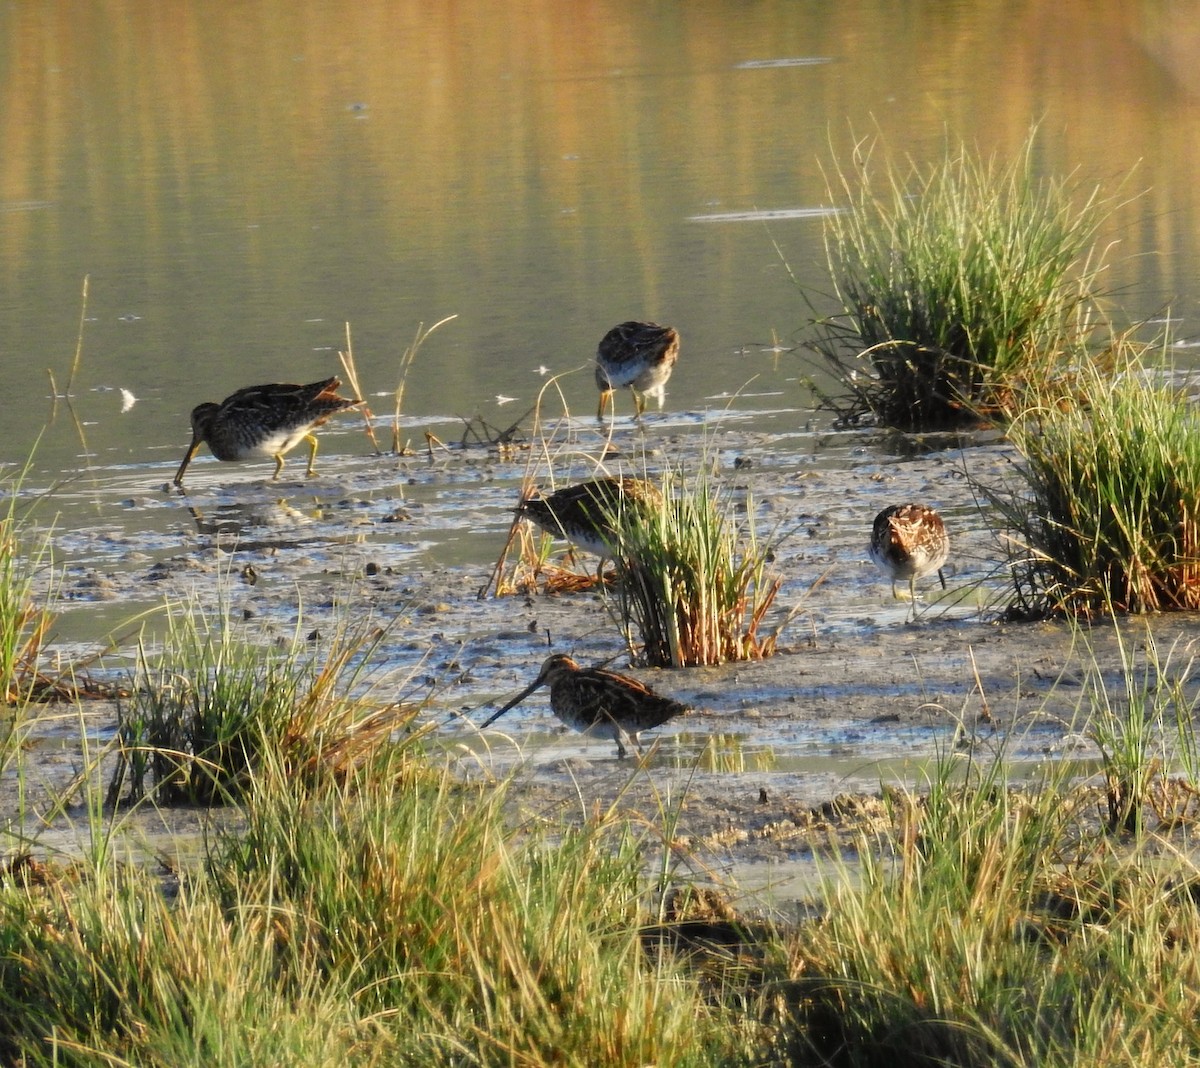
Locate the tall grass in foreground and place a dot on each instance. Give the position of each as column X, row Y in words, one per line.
column 23, row 621
column 211, row 706
column 1000, row 932
column 1108, row 518
column 387, row 919
column 694, row 587
column 961, row 284
column 1001, row 926
column 388, row 913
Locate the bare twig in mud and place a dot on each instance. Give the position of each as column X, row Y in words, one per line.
column 347, row 360
column 496, row 578
column 44, row 689
column 493, row 436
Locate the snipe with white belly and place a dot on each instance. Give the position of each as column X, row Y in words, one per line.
column 638, row 355
column 265, row 421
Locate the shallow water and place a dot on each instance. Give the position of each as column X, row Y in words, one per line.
column 239, row 184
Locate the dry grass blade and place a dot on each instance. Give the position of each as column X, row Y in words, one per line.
column 348, row 365
column 406, row 362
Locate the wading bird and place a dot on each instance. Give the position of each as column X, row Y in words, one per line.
column 264, row 421
column 597, row 702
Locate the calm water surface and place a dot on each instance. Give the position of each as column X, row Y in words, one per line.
column 238, row 182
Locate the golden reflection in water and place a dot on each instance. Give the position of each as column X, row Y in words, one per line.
column 720, row 752
column 240, row 171
column 160, row 102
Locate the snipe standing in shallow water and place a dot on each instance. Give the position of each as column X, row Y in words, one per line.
column 638, row 355
column 597, row 702
column 591, row 514
column 909, row 541
column 264, row 421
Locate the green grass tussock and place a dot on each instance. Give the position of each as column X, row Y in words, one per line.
column 1000, row 932
column 1108, row 516
column 97, row 966
column 205, row 711
column 389, row 919
column 960, row 285
column 693, row 585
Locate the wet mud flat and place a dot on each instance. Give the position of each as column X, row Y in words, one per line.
column 779, row 761
column 775, row 756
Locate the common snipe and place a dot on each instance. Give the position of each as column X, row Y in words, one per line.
column 597, row 702
column 638, row 355
column 909, row 541
column 264, row 421
column 591, row 514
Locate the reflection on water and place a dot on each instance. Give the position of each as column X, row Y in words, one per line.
column 240, row 517
column 720, row 752
column 240, row 182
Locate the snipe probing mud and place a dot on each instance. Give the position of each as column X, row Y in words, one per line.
column 591, row 514
column 598, row 702
column 909, row 541
column 264, row 421
column 638, row 355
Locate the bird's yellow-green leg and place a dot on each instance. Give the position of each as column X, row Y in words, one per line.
column 605, row 396
column 312, row 452
column 278, row 465
column 639, row 402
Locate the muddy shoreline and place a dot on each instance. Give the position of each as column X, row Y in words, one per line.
column 856, row 698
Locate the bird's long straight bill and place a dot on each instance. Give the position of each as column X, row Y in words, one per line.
column 187, row 459
column 511, row 704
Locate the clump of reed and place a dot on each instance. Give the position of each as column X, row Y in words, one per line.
column 1106, row 512
column 382, row 920
column 960, row 285
column 999, row 928
column 693, row 584
column 24, row 622
column 205, row 710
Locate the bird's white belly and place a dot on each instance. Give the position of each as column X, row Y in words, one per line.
column 279, row 442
